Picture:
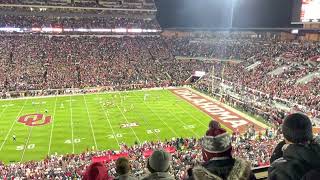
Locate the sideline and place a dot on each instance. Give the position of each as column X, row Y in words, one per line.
column 231, row 108
column 81, row 94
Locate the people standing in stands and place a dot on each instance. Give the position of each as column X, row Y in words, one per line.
column 96, row 171
column 159, row 164
column 123, row 169
column 219, row 163
column 300, row 153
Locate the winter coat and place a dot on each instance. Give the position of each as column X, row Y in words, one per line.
column 229, row 169
column 277, row 152
column 125, row 177
column 297, row 160
column 159, row 175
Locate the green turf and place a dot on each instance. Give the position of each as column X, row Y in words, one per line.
column 84, row 123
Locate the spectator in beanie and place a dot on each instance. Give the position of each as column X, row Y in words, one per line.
column 301, row 154
column 96, row 171
column 123, row 169
column 219, row 163
column 158, row 164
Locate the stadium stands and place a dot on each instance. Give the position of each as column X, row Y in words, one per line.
column 188, row 154
column 26, row 21
column 122, row 4
column 41, row 62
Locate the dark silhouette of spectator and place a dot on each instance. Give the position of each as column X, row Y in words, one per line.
column 301, row 154
column 123, row 169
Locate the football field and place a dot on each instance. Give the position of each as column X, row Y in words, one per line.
column 32, row 128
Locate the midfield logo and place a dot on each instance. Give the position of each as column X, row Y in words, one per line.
column 35, row 119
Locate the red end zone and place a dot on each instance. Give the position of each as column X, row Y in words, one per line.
column 217, row 111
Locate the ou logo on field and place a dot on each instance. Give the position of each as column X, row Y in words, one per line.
column 34, row 120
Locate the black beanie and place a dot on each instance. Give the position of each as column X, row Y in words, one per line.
column 297, row 128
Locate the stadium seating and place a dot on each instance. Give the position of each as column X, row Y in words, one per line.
column 37, row 62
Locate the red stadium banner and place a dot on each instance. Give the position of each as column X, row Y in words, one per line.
column 108, row 158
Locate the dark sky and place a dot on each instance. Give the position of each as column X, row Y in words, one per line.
column 217, row 13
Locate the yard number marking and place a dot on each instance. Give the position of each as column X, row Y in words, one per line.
column 153, row 131
column 22, row 147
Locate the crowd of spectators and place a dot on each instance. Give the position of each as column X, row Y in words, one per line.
column 125, row 4
column 38, row 21
column 43, row 62
column 293, row 60
column 256, row 148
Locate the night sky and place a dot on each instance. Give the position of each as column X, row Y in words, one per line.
column 217, row 13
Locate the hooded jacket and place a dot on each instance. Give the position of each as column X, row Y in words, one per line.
column 297, row 160
column 230, row 169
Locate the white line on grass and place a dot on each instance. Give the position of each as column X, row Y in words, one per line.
column 28, row 139
column 128, row 123
column 170, row 112
column 159, row 118
column 94, row 137
column 6, row 107
column 13, row 123
column 148, row 124
column 108, row 120
column 53, row 119
column 188, row 111
column 71, row 120
column 26, row 144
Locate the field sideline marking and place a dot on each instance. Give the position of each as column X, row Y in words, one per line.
column 128, row 123
column 174, row 132
column 234, row 110
column 108, row 120
column 14, row 122
column 81, row 94
column 71, row 120
column 94, row 137
column 53, row 119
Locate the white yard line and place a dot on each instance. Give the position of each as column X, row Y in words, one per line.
column 182, row 122
column 71, row 121
column 148, row 124
column 188, row 111
column 174, row 132
column 13, row 123
column 53, row 119
column 108, row 120
column 3, row 111
column 26, row 144
column 128, row 122
column 94, row 137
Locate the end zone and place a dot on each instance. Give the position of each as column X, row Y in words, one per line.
column 219, row 112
